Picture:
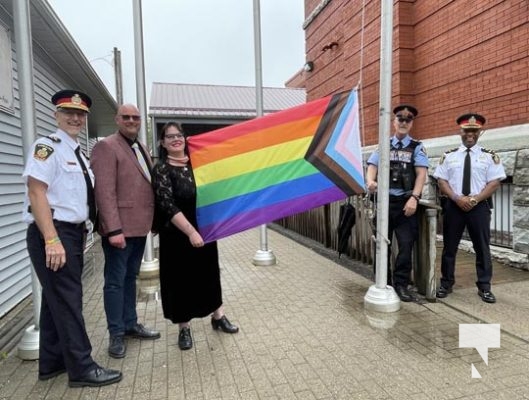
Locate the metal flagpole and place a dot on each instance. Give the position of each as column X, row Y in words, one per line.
column 149, row 265
column 381, row 297
column 263, row 256
column 28, row 348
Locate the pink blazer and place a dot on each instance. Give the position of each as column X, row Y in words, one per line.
column 124, row 195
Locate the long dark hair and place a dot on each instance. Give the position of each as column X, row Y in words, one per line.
column 162, row 152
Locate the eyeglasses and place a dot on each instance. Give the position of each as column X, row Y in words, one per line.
column 174, row 136
column 402, row 119
column 130, row 117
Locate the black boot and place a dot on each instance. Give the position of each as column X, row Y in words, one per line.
column 224, row 325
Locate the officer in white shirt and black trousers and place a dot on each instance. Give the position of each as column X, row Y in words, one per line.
column 59, row 199
column 468, row 176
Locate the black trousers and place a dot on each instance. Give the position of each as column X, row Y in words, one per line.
column 477, row 222
column 63, row 339
column 405, row 229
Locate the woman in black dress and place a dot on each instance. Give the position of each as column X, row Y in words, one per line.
column 189, row 289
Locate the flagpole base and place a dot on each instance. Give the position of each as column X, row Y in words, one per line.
column 264, row 258
column 381, row 320
column 381, row 299
column 28, row 348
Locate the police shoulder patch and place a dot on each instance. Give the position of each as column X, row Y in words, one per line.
column 42, row 152
column 495, row 157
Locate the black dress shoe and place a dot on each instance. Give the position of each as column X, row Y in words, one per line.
column 97, row 377
column 141, row 332
column 486, row 296
column 224, row 324
column 117, row 347
column 53, row 374
column 185, row 341
column 403, row 294
column 442, row 292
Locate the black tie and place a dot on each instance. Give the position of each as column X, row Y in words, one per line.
column 467, row 171
column 89, row 188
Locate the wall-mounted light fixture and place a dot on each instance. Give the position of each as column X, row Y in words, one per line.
column 309, row 66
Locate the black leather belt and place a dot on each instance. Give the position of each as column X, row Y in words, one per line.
column 78, row 225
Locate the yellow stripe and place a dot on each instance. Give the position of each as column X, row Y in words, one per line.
column 252, row 161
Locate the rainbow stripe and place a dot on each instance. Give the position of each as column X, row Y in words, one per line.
column 256, row 172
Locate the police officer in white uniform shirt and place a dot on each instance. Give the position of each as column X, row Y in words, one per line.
column 56, row 208
column 468, row 190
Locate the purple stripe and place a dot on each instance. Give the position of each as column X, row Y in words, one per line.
column 244, row 221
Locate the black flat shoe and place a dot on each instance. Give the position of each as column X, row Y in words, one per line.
column 224, row 324
column 141, row 332
column 487, row 296
column 185, row 341
column 97, row 377
column 443, row 292
column 403, row 294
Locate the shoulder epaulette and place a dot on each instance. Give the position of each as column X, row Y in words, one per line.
column 441, row 160
column 494, row 155
column 54, row 138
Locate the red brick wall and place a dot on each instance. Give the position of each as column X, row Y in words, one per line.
column 449, row 57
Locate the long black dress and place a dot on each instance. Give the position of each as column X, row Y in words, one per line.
column 189, row 276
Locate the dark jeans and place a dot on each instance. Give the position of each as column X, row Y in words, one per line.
column 121, row 269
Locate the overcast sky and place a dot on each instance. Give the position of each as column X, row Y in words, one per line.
column 189, row 41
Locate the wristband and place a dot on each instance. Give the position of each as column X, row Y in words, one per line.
column 416, row 197
column 53, row 240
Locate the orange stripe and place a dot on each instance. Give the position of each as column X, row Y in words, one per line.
column 313, row 108
column 256, row 140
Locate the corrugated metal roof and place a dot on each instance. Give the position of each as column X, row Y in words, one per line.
column 189, row 100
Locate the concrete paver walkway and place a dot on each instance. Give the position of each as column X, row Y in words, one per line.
column 305, row 334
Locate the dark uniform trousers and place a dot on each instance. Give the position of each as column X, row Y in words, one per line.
column 477, row 222
column 405, row 229
column 64, row 342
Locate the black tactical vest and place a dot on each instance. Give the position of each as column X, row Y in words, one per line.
column 402, row 166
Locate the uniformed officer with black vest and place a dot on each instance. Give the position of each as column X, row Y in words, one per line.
column 468, row 176
column 59, row 199
column 408, row 171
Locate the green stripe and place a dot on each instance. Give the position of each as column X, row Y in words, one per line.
column 253, row 181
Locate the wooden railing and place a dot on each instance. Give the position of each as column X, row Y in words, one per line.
column 321, row 225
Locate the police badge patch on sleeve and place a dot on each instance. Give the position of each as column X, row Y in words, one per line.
column 42, row 152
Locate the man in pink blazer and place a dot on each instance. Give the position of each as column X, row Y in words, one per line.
column 125, row 202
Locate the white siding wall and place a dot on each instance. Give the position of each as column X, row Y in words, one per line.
column 15, row 266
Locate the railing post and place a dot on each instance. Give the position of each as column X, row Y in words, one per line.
column 425, row 276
